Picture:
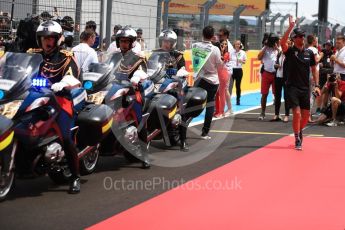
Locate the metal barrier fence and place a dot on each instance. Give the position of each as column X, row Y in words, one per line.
column 149, row 15
column 15, row 11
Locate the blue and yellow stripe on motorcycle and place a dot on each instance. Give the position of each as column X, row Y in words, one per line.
column 172, row 113
column 7, row 141
column 107, row 126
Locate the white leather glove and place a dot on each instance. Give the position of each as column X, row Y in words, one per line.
column 135, row 80
column 56, row 87
column 182, row 72
column 67, row 80
column 138, row 76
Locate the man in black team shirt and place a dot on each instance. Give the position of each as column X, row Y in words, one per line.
column 300, row 61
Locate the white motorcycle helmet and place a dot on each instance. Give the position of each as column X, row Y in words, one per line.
column 49, row 28
column 168, row 35
column 126, row 32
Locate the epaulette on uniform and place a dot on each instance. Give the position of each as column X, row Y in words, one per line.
column 67, row 53
column 34, row 50
column 140, row 56
column 180, row 52
column 178, row 55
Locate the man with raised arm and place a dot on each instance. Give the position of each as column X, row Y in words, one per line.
column 301, row 62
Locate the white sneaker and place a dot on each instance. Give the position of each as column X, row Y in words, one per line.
column 205, row 137
column 332, row 124
column 261, row 117
column 229, row 112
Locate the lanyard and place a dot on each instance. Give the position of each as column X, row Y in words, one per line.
column 238, row 55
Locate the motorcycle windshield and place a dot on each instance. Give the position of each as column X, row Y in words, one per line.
column 157, row 61
column 99, row 74
column 112, row 59
column 96, row 72
column 156, row 64
column 16, row 71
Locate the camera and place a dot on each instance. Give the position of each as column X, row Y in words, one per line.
column 332, row 78
column 315, row 94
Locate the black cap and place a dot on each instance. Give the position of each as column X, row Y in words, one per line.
column 117, row 27
column 46, row 15
column 297, row 32
column 139, row 30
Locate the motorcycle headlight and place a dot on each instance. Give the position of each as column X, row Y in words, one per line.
column 10, row 109
column 96, row 98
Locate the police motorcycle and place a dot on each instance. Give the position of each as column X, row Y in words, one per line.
column 104, row 85
column 168, row 80
column 129, row 116
column 30, row 140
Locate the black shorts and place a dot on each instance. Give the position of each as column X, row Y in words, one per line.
column 298, row 97
column 340, row 111
column 323, row 75
column 322, row 80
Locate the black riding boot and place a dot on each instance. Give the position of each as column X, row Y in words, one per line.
column 73, row 163
column 183, row 135
column 142, row 153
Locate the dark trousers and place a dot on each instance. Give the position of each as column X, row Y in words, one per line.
column 183, row 129
column 280, row 85
column 65, row 123
column 237, row 76
column 211, row 93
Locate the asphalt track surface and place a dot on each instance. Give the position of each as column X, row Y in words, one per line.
column 39, row 204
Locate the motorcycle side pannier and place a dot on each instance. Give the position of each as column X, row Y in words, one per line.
column 94, row 123
column 196, row 101
column 6, row 141
column 163, row 105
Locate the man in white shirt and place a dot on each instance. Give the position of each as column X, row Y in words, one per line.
column 224, row 34
column 268, row 56
column 339, row 58
column 209, row 77
column 140, row 39
column 312, row 43
column 83, row 52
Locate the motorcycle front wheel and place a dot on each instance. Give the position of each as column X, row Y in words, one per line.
column 88, row 162
column 7, row 178
column 6, row 184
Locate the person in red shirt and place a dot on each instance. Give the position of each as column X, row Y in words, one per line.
column 338, row 101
